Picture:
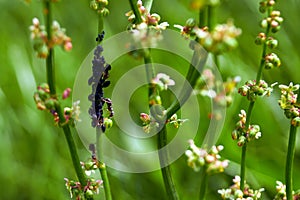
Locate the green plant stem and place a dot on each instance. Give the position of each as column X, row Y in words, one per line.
column 250, row 108
column 148, row 4
column 203, row 184
column 244, row 148
column 51, row 82
column 195, row 68
column 202, row 16
column 150, row 73
column 136, row 12
column 100, row 25
column 165, row 168
column 210, row 17
column 102, row 167
column 289, row 163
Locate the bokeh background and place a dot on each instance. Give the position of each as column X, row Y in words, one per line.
column 34, row 157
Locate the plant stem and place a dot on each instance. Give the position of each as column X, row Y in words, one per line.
column 210, row 17
column 244, row 148
column 203, row 184
column 195, row 68
column 202, row 16
column 165, row 168
column 51, row 82
column 250, row 108
column 102, row 167
column 289, row 163
column 148, row 4
column 137, row 14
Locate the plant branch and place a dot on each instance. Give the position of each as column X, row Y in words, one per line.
column 195, row 68
column 289, row 163
column 51, row 82
column 203, row 184
column 165, row 168
column 136, row 12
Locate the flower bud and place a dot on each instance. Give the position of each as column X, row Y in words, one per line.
column 50, row 104
column 190, row 23
column 108, row 123
column 272, row 43
column 264, row 23
column 296, row 121
column 104, row 12
column 103, row 2
column 93, row 5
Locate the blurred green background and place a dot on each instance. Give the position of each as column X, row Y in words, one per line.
column 34, row 157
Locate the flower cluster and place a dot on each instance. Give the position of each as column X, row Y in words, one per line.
column 99, row 81
column 208, row 86
column 162, row 81
column 147, row 32
column 272, row 22
column 159, row 83
column 41, row 44
column 221, row 39
column 100, row 7
column 149, row 122
column 79, row 192
column 288, row 102
column 201, row 157
column 234, row 192
column 245, row 134
column 252, row 90
column 175, row 121
column 281, row 192
column 44, row 101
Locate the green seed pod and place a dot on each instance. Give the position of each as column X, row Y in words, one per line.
column 88, row 193
column 272, row 43
column 190, row 23
column 108, row 123
column 50, row 104
column 264, row 23
column 269, row 65
column 275, row 29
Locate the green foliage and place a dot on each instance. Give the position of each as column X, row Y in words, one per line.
column 34, row 158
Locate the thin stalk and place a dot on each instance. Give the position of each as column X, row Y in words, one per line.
column 290, row 159
column 195, row 68
column 148, row 4
column 244, row 148
column 250, row 108
column 165, row 169
column 210, row 17
column 289, row 163
column 203, row 184
column 51, row 82
column 101, row 165
column 162, row 135
column 136, row 12
column 202, row 16
column 100, row 25
column 150, row 73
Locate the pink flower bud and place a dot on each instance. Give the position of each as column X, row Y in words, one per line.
column 68, row 46
column 66, row 93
